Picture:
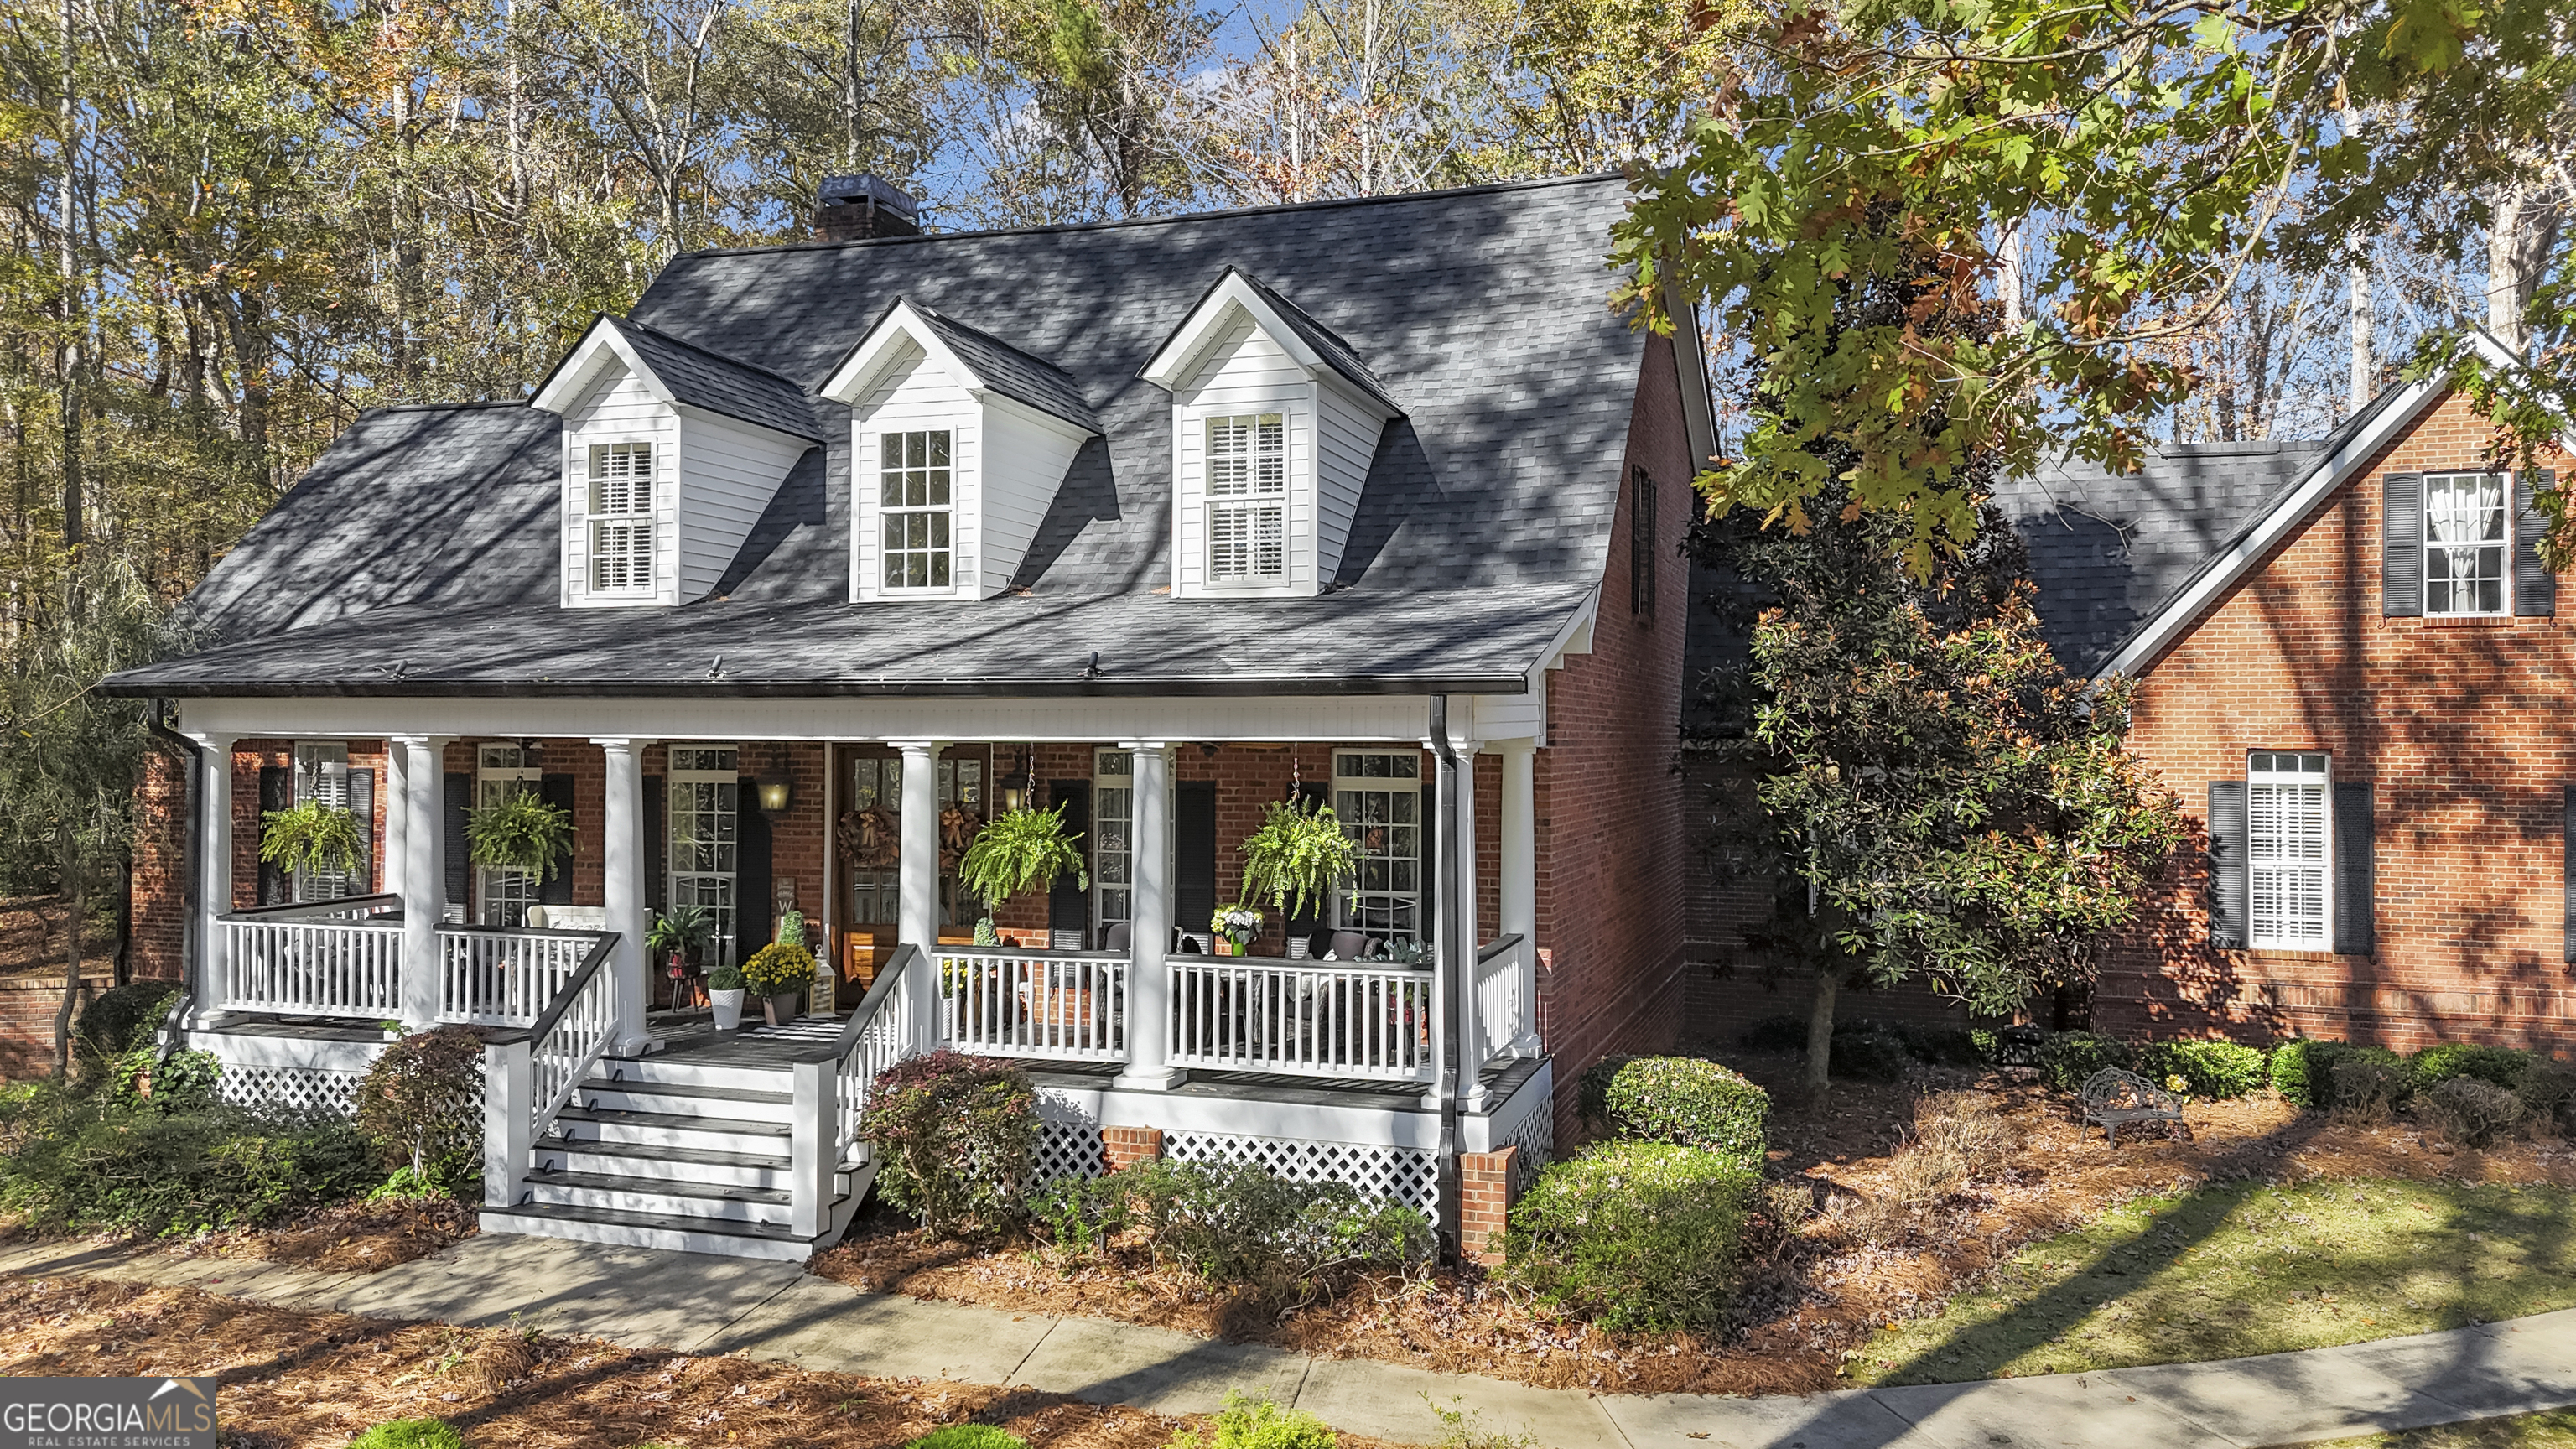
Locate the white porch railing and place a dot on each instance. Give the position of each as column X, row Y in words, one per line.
column 1312, row 1018
column 1498, row 996
column 493, row 976
column 831, row 1087
column 1049, row 1005
column 314, row 958
column 527, row 1077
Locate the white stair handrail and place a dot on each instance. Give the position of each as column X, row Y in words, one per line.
column 831, row 1085
column 528, row 1076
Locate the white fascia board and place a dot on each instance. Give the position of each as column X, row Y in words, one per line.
column 1575, row 637
column 1019, row 411
column 2176, row 618
column 858, row 372
column 1359, row 398
column 1699, row 415
column 692, row 410
column 598, row 347
column 1170, row 367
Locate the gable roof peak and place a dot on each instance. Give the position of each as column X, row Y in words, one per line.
column 974, row 359
column 1309, row 343
column 679, row 373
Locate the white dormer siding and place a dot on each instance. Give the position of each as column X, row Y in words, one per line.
column 1236, row 370
column 617, row 413
column 947, row 469
column 729, row 471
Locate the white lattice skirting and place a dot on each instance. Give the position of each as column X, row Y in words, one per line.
column 1066, row 1149
column 290, row 1089
column 1409, row 1175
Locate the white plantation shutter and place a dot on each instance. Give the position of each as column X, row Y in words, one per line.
column 1247, row 497
column 621, row 512
column 2289, row 851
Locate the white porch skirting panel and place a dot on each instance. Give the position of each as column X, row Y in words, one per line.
column 288, row 1073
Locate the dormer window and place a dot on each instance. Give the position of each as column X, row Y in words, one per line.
column 1247, row 461
column 621, row 517
column 914, row 497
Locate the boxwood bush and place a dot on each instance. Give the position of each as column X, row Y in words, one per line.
column 1592, row 1091
column 953, row 1134
column 2302, row 1071
column 2495, row 1065
column 2068, row 1059
column 1636, row 1235
column 1689, row 1103
column 2209, row 1068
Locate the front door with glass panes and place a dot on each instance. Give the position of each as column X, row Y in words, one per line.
column 502, row 895
column 961, row 787
column 322, row 776
column 1378, row 795
column 703, row 807
column 876, row 783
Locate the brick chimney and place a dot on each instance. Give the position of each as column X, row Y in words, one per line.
column 854, row 208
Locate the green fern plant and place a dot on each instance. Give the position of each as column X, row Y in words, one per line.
column 520, row 832
column 1297, row 857
column 1019, row 851
column 311, row 836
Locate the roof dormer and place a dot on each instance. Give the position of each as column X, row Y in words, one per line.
column 958, row 444
column 671, row 452
column 1276, row 421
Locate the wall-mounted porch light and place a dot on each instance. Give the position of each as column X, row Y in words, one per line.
column 1015, row 787
column 774, row 795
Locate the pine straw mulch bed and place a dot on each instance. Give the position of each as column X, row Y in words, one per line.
column 293, row 1380
column 1811, row 1292
column 349, row 1237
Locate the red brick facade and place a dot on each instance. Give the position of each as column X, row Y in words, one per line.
column 2461, row 727
column 1484, row 1203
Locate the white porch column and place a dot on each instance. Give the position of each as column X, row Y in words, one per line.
column 1149, row 934
column 917, row 879
column 1519, row 863
column 424, row 885
column 1471, row 1031
column 397, row 814
column 214, row 871
column 622, row 890
column 1452, row 965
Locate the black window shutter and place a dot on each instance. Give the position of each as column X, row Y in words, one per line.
column 362, row 805
column 2228, row 863
column 657, row 849
column 753, row 922
column 1068, row 904
column 459, row 788
column 2356, row 869
column 2401, row 554
column 556, row 790
column 276, row 792
column 1641, row 544
column 2567, row 869
column 2535, row 588
column 1193, row 855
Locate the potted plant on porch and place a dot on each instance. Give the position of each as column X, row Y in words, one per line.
column 311, row 837
column 779, row 972
column 725, row 990
column 677, row 940
column 519, row 832
column 1297, row 858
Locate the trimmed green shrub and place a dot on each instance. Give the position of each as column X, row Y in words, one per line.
column 953, row 1134
column 1690, row 1103
column 1637, row 1235
column 2209, row 1068
column 1247, row 1422
column 1869, row 1051
column 421, row 1104
column 122, row 1018
column 1592, row 1091
column 1776, row 1034
column 2070, row 1058
column 184, row 1083
column 2434, row 1065
column 410, row 1434
column 2366, row 1087
column 1291, row 1242
column 968, row 1436
column 2291, row 1071
column 2472, row 1111
column 73, row 1161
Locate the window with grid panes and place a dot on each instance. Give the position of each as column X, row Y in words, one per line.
column 1378, row 795
column 621, row 517
column 322, row 775
column 504, row 895
column 914, row 478
column 2289, row 849
column 703, row 815
column 1113, row 818
column 2465, row 537
column 1247, row 487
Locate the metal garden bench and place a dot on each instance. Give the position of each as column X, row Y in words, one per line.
column 2115, row 1098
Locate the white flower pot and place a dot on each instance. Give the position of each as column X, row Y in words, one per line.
column 728, row 1006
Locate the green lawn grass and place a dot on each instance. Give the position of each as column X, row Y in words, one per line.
column 2240, row 1269
column 2553, row 1430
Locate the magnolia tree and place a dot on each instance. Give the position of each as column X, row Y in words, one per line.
column 1958, row 807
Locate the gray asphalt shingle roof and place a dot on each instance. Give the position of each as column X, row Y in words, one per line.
column 1013, row 373
column 711, row 380
column 1484, row 524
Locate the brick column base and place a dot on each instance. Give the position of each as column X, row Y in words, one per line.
column 1484, row 1203
column 1127, row 1146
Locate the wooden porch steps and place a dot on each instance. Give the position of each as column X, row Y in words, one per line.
column 674, row 1155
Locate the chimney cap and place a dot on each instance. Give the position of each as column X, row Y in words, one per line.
column 868, row 186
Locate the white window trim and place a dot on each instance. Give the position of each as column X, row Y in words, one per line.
column 726, row 942
column 1425, row 902
column 2324, row 783
column 967, row 436
column 1211, row 503
column 1299, row 441
column 650, row 517
column 310, row 773
column 486, row 878
column 2425, row 544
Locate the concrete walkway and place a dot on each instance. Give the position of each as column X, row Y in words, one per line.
column 689, row 1303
